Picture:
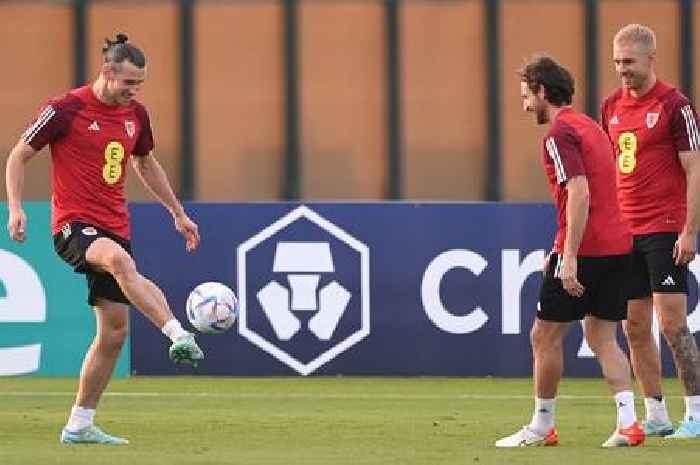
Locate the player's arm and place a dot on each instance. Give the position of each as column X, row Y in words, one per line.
column 686, row 246
column 577, row 206
column 156, row 181
column 686, row 139
column 14, row 179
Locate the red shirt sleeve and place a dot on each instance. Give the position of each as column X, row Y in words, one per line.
column 563, row 146
column 144, row 144
column 50, row 125
column 684, row 125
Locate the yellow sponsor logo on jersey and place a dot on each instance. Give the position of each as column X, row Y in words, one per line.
column 627, row 160
column 112, row 170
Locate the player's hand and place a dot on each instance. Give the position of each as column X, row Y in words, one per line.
column 685, row 248
column 17, row 225
column 568, row 275
column 189, row 230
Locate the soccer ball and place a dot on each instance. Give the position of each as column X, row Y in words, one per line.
column 212, row 308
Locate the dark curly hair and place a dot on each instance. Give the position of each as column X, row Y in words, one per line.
column 542, row 70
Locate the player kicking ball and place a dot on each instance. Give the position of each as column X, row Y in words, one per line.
column 584, row 275
column 92, row 132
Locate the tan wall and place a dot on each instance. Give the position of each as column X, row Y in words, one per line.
column 37, row 45
column 444, row 105
column 524, row 33
column 662, row 16
column 343, row 122
column 153, row 28
column 240, row 101
column 239, row 92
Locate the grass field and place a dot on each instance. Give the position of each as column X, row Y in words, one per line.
column 314, row 421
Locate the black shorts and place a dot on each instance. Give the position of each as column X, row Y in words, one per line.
column 653, row 268
column 604, row 297
column 72, row 242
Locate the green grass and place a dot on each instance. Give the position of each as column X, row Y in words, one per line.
column 319, row 421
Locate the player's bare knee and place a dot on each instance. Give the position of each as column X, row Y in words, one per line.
column 121, row 264
column 637, row 332
column 111, row 340
column 595, row 343
column 541, row 339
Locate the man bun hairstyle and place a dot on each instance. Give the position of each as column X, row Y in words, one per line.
column 119, row 50
column 543, row 70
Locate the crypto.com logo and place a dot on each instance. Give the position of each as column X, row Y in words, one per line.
column 297, row 299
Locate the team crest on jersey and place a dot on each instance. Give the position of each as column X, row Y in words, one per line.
column 130, row 127
column 652, row 119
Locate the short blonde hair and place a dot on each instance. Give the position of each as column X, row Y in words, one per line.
column 636, row 34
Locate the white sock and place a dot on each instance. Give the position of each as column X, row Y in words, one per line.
column 173, row 329
column 692, row 408
column 626, row 415
column 656, row 410
column 80, row 418
column 543, row 418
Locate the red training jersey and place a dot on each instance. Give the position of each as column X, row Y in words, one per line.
column 576, row 146
column 647, row 134
column 90, row 144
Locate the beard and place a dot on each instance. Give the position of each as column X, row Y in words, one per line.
column 541, row 116
column 633, row 81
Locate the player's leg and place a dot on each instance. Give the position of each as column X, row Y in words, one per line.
column 546, row 338
column 601, row 337
column 557, row 310
column 646, row 364
column 644, row 353
column 669, row 284
column 671, row 309
column 107, row 255
column 98, row 365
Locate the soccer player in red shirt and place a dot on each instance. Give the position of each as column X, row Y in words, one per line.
column 589, row 260
column 92, row 132
column 654, row 131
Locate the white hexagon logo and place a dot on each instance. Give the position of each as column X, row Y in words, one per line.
column 297, row 309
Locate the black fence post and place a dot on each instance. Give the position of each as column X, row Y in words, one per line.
column 687, row 48
column 187, row 111
column 291, row 188
column 393, row 98
column 493, row 99
column 80, row 30
column 591, row 54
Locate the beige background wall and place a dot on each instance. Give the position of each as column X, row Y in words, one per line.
column 342, row 103
column 41, row 67
column 444, row 104
column 240, row 100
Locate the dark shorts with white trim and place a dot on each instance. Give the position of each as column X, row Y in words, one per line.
column 653, row 268
column 604, row 279
column 72, row 242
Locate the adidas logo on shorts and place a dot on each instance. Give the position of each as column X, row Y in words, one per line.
column 668, row 281
column 65, row 230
